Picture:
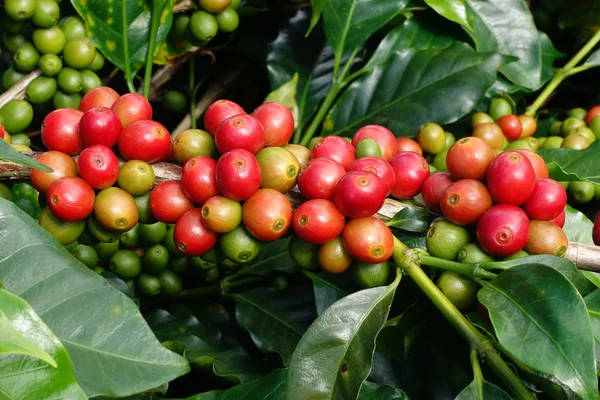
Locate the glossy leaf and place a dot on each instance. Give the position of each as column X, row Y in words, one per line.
column 100, row 327
column 27, row 373
column 328, row 288
column 507, row 27
column 118, row 283
column 349, row 23
column 454, row 10
column 311, row 58
column 488, row 391
column 399, row 333
column 7, row 153
column 335, row 355
column 414, row 33
column 536, row 311
column 412, row 219
column 573, row 165
column 120, row 29
column 276, row 320
column 203, row 345
column 373, row 391
column 592, row 302
column 421, row 86
column 316, row 10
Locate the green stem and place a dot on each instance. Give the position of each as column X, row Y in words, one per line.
column 348, row 65
column 473, row 271
column 480, row 343
column 563, row 73
column 210, row 290
column 477, row 375
column 335, row 89
column 155, row 24
column 192, row 91
column 242, row 283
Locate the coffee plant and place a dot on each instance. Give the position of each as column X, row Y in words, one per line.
column 276, row 199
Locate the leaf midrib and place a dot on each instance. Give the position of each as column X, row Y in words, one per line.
column 491, row 286
column 268, row 313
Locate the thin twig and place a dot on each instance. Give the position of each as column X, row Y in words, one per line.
column 183, row 6
column 17, row 91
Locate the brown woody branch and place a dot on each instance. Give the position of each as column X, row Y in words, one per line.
column 583, row 256
column 17, row 91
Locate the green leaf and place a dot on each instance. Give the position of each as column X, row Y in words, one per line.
column 507, row 27
column 412, row 219
column 328, row 288
column 286, row 95
column 454, row 10
column 7, row 153
column 317, row 9
column 592, row 302
column 335, row 355
column 100, row 327
column 549, row 55
column 414, row 33
column 120, row 29
column 488, row 391
column 311, row 58
column 276, row 320
column 349, row 23
column 374, row 391
column 573, row 165
column 204, row 346
column 421, row 86
column 399, row 333
column 39, row 366
column 536, row 311
column 578, row 228
column 12, row 342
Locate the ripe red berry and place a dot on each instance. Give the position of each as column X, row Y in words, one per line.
column 277, row 121
column 592, row 113
column 198, row 179
column 547, row 200
column 238, row 174
column 240, row 132
column 218, row 112
column 503, row 230
column 98, row 166
column 511, row 126
column 60, row 131
column 103, row 96
column 359, row 194
column 318, row 179
column 100, row 125
column 144, row 140
column 464, row 201
column 335, row 148
column 469, row 158
column 62, row 165
column 318, row 221
column 379, row 167
column 267, row 214
column 383, row 136
column 411, row 170
column 168, row 201
column 539, row 165
column 70, row 199
column 408, row 144
column 191, row 236
column 560, row 219
column 510, row 178
column 132, row 107
column 433, row 188
column 368, row 240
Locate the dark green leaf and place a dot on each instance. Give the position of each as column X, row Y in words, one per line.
column 100, row 327
column 549, row 55
column 276, row 320
column 507, row 27
column 311, row 58
column 28, row 375
column 121, row 29
column 399, row 333
column 412, row 219
column 335, row 355
column 328, row 288
column 349, row 23
column 7, row 153
column 488, row 391
column 414, row 33
column 421, row 86
column 373, row 391
column 454, row 10
column 317, row 9
column 117, row 283
column 573, row 165
column 203, row 344
column 578, row 228
column 536, row 311
column 592, row 302
column 274, row 256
